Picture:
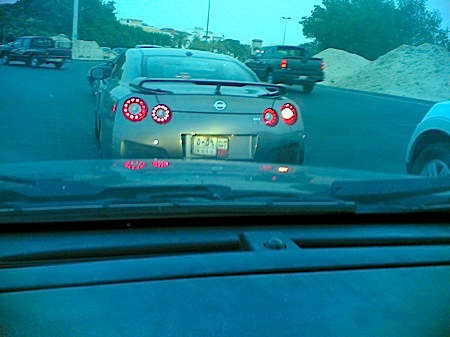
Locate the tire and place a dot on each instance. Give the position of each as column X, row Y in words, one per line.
column 308, row 88
column 104, row 144
column 5, row 59
column 34, row 62
column 97, row 127
column 433, row 161
column 58, row 65
column 98, row 136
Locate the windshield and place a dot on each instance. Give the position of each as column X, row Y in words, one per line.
column 223, row 107
column 178, row 67
column 224, row 168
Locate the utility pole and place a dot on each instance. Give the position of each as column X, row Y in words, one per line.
column 285, row 18
column 207, row 21
column 75, row 22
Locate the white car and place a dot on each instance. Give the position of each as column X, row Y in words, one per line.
column 428, row 151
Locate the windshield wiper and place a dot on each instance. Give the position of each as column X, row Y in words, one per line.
column 61, row 191
column 383, row 189
column 416, row 193
column 16, row 180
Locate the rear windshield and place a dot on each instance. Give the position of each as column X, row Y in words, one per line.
column 286, row 51
column 195, row 68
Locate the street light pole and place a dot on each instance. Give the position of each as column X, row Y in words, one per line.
column 75, row 22
column 74, row 26
column 285, row 18
column 207, row 21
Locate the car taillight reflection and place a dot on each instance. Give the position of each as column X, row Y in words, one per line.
column 134, row 164
column 134, row 109
column 284, row 64
column 160, row 163
column 140, row 164
column 283, row 169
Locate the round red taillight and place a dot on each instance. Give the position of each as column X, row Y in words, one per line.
column 270, row 117
column 134, row 109
column 161, row 114
column 289, row 113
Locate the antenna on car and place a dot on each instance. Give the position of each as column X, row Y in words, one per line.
column 217, row 91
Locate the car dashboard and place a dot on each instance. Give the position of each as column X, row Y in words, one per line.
column 255, row 276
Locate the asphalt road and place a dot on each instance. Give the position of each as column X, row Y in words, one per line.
column 48, row 114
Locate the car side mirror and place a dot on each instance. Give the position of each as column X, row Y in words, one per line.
column 98, row 73
column 107, row 71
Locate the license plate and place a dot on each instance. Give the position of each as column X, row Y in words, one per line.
column 302, row 77
column 209, row 146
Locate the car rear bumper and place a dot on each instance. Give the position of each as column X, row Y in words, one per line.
column 287, row 78
column 288, row 149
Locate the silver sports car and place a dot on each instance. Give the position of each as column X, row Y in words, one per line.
column 189, row 104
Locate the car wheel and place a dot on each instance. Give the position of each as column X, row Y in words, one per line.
column 58, row 65
column 34, row 62
column 308, row 88
column 433, row 161
column 98, row 136
column 104, row 144
column 5, row 59
column 97, row 127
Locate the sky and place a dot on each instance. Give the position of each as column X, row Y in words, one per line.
column 243, row 20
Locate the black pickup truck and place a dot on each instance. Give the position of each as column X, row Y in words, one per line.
column 288, row 65
column 34, row 51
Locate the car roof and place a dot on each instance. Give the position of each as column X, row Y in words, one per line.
column 34, row 37
column 282, row 46
column 147, row 46
column 165, row 51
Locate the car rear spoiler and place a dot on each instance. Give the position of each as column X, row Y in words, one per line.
column 275, row 90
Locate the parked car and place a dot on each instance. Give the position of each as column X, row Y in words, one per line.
column 107, row 52
column 178, row 103
column 118, row 50
column 428, row 151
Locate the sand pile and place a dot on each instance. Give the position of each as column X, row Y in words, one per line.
column 421, row 72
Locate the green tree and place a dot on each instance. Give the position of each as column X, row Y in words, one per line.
column 371, row 28
column 363, row 27
column 96, row 22
column 416, row 24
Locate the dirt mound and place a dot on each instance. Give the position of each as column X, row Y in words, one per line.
column 421, row 72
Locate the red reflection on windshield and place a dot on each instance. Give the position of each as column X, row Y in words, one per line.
column 266, row 167
column 160, row 163
column 134, row 165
